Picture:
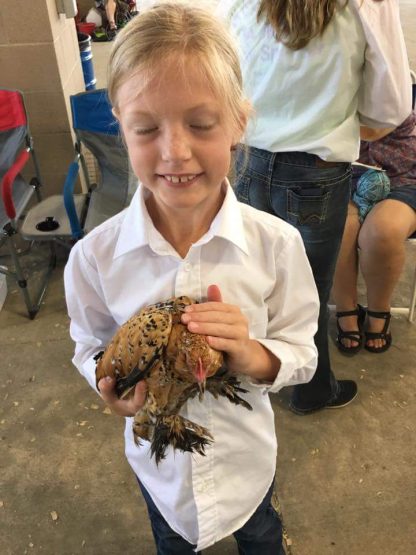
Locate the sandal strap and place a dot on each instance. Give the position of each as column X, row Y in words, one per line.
column 386, row 316
column 381, row 315
column 376, row 335
column 354, row 312
column 354, row 335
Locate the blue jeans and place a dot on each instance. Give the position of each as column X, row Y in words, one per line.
column 261, row 534
column 313, row 196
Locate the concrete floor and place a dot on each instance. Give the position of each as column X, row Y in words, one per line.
column 346, row 478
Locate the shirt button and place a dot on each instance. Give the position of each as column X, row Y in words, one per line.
column 187, row 267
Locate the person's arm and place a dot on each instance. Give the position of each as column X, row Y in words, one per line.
column 92, row 327
column 385, row 94
column 287, row 354
column 370, row 134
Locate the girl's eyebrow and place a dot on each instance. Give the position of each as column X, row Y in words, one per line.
column 197, row 108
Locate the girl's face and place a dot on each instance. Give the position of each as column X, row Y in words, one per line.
column 178, row 139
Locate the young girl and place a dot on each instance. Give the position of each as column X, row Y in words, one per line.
column 175, row 86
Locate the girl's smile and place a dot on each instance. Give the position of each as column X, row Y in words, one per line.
column 180, row 179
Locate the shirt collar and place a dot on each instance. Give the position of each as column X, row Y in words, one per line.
column 137, row 229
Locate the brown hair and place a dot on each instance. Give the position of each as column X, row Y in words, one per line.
column 173, row 34
column 296, row 22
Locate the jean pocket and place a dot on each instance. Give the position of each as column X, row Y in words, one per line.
column 304, row 209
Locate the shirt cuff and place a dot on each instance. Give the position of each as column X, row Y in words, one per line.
column 88, row 371
column 295, row 367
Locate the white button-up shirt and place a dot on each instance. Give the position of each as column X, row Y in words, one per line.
column 259, row 263
column 314, row 99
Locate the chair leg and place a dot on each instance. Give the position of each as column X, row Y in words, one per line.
column 20, row 280
column 31, row 306
column 412, row 300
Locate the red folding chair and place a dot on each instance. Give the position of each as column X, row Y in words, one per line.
column 16, row 149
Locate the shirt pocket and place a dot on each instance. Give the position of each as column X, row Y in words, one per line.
column 257, row 321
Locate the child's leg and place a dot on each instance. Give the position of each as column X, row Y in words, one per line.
column 262, row 533
column 168, row 542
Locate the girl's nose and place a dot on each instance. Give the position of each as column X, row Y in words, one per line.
column 175, row 146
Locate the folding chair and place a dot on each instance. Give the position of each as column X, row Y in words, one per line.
column 412, row 239
column 66, row 218
column 98, row 131
column 410, row 311
column 72, row 215
column 16, row 148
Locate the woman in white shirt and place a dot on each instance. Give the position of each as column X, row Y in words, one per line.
column 315, row 72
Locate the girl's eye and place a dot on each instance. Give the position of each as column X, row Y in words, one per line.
column 202, row 126
column 144, row 130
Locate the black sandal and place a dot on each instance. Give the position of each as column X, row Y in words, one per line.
column 383, row 334
column 357, row 335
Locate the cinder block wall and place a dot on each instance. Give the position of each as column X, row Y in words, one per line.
column 39, row 55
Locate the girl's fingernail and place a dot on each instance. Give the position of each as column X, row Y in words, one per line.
column 108, row 379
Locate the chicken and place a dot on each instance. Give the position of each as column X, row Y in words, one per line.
column 177, row 365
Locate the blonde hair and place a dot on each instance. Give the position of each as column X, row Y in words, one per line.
column 172, row 33
column 296, row 22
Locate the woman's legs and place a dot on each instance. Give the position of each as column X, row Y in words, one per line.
column 110, row 10
column 382, row 255
column 344, row 290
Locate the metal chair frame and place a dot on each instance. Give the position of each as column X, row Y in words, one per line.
column 14, row 209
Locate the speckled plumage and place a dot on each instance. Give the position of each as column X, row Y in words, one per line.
column 156, row 347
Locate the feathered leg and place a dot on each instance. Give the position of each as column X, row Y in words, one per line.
column 179, row 432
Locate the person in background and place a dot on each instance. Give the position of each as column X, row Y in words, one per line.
column 380, row 233
column 109, row 7
column 315, row 72
column 175, row 86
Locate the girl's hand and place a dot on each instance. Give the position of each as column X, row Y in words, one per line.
column 227, row 330
column 122, row 407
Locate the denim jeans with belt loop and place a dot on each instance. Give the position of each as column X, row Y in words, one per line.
column 312, row 195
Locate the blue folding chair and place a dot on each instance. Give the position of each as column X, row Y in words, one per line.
column 72, row 215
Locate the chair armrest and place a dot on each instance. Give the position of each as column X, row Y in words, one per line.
column 7, row 183
column 77, row 231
